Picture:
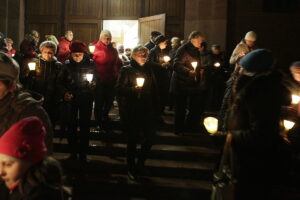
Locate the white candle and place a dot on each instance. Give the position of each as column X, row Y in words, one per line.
column 194, row 65
column 288, row 124
column 211, row 124
column 92, row 48
column 217, row 64
column 167, row 58
column 140, row 82
column 295, row 99
column 31, row 66
column 89, row 77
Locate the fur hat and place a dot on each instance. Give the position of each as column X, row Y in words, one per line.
column 78, row 46
column 258, row 60
column 9, row 68
column 25, row 140
column 251, row 35
column 160, row 39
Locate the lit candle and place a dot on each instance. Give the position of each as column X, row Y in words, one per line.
column 167, row 58
column 31, row 66
column 194, row 65
column 217, row 64
column 92, row 48
column 89, row 77
column 140, row 82
column 295, row 99
column 288, row 124
column 211, row 124
column 12, row 55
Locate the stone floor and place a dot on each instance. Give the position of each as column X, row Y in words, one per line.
column 180, row 166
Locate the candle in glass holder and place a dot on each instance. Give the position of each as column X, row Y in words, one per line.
column 295, row 99
column 89, row 77
column 194, row 65
column 140, row 82
column 217, row 64
column 288, row 124
column 211, row 124
column 32, row 66
column 167, row 59
column 92, row 48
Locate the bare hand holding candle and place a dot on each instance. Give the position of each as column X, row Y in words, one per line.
column 89, row 77
column 167, row 59
column 32, row 66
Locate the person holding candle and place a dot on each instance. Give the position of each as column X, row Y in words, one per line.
column 16, row 104
column 186, row 84
column 41, row 82
column 137, row 93
column 255, row 122
column 9, row 45
column 76, row 84
column 64, row 46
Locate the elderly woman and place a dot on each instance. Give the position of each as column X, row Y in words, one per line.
column 42, row 79
column 108, row 65
column 139, row 107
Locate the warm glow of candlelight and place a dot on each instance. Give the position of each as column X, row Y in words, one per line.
column 140, row 82
column 194, row 65
column 211, row 124
column 31, row 66
column 295, row 99
column 217, row 64
column 89, row 77
column 92, row 48
column 288, row 124
column 167, row 58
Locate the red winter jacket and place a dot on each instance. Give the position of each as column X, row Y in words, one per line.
column 107, row 62
column 64, row 49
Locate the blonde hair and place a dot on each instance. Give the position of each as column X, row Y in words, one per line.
column 8, row 40
column 52, row 38
column 105, row 33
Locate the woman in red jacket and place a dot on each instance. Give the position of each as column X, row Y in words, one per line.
column 108, row 65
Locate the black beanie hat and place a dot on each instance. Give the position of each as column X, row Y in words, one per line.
column 160, row 39
column 258, row 60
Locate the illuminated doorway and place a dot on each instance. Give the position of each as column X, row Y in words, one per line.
column 123, row 31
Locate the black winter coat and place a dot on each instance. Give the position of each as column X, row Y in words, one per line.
column 183, row 81
column 137, row 105
column 262, row 157
column 32, row 193
column 72, row 77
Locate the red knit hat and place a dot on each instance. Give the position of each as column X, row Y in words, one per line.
column 78, row 46
column 25, row 140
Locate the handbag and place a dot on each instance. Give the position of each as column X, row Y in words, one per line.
column 223, row 179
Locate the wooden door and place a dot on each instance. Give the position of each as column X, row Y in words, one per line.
column 151, row 23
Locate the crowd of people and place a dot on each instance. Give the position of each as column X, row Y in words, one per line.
column 56, row 82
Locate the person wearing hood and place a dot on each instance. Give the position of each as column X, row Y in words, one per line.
column 16, row 104
column 261, row 155
column 64, row 46
column 76, row 87
column 41, row 81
